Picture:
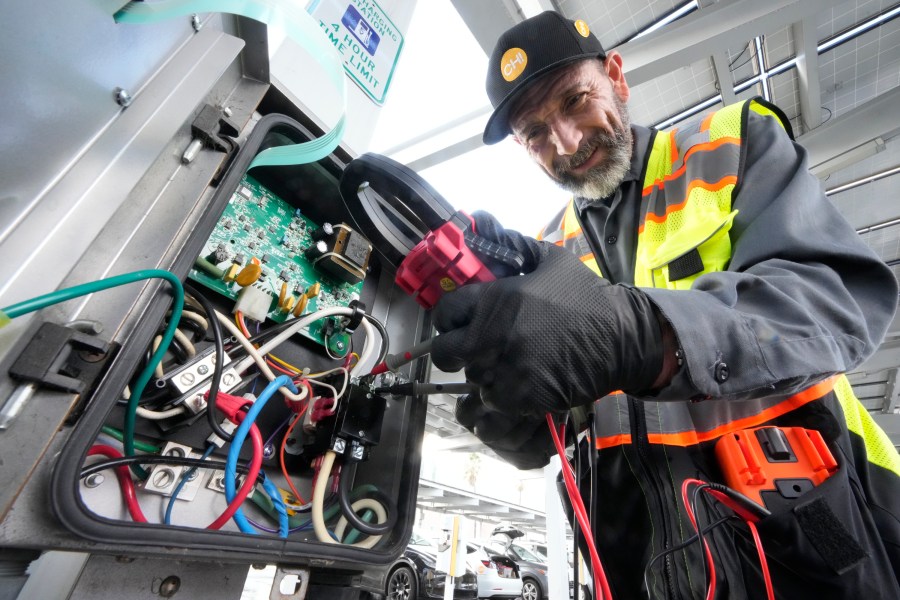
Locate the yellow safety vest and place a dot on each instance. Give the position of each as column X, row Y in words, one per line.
column 686, row 216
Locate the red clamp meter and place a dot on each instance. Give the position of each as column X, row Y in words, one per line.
column 433, row 246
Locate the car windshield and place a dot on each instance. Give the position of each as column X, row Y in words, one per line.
column 526, row 554
column 420, row 540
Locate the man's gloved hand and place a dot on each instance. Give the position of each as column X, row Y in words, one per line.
column 524, row 442
column 548, row 340
column 487, row 226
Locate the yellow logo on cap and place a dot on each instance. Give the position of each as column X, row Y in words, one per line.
column 512, row 63
column 582, row 28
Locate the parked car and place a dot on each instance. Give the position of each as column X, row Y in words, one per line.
column 498, row 575
column 532, row 566
column 414, row 575
column 532, row 569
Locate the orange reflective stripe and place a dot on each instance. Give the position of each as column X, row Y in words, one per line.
column 673, row 149
column 697, row 183
column 692, row 438
column 620, row 439
column 586, row 257
column 572, row 234
column 704, row 126
column 705, row 147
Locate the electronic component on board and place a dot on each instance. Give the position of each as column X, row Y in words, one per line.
column 340, row 252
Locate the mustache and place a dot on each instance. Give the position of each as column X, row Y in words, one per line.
column 600, row 140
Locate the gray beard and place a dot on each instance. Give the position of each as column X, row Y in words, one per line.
column 602, row 180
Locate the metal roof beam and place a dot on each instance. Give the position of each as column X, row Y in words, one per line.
column 808, row 72
column 710, row 31
column 877, row 118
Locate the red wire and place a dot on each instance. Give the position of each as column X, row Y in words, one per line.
column 125, row 482
column 600, row 582
column 762, row 560
column 711, row 590
column 249, row 480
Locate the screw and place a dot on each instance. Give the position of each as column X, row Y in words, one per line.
column 192, row 474
column 203, row 369
column 195, row 22
column 228, row 379
column 187, row 378
column 339, row 445
column 226, row 110
column 358, row 452
column 268, row 451
column 191, row 152
column 123, row 97
column 163, row 478
column 93, row 480
column 339, row 345
column 219, row 482
column 361, row 433
column 169, row 587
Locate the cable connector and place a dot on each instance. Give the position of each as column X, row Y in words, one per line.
column 229, row 427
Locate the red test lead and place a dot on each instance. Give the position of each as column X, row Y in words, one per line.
column 394, row 361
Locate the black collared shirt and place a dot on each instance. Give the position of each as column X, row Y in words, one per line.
column 604, row 221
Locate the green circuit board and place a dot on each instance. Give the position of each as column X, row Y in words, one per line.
column 257, row 224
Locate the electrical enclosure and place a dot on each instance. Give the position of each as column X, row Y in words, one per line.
column 167, row 213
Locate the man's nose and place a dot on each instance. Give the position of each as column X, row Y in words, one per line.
column 565, row 136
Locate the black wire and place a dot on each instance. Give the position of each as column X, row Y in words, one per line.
column 682, row 546
column 741, row 53
column 158, row 459
column 347, row 476
column 749, row 59
column 212, row 415
column 385, row 340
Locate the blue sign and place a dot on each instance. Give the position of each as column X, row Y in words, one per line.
column 361, row 29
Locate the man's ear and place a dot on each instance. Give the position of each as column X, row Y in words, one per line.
column 613, row 66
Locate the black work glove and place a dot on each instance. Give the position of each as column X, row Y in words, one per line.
column 549, row 340
column 524, row 442
column 487, row 226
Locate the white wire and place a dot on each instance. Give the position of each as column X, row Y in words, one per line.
column 159, row 368
column 363, row 503
column 318, row 502
column 196, row 318
column 160, row 415
column 185, row 343
column 305, row 320
column 254, row 355
column 334, row 393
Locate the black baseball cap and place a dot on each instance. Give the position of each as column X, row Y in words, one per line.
column 525, row 52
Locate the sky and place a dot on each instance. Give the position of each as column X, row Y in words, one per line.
column 440, row 77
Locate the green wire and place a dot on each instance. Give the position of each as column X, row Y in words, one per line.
column 139, row 445
column 27, row 306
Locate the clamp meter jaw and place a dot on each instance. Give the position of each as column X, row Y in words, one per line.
column 433, row 246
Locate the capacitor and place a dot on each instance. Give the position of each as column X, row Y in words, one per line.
column 249, row 275
column 232, row 272
column 283, row 294
column 323, row 232
column 302, row 301
column 316, row 250
column 314, row 290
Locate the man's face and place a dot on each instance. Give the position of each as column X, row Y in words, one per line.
column 575, row 125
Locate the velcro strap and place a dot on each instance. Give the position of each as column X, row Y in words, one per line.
column 838, row 548
column 685, row 265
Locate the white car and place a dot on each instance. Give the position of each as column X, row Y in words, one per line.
column 498, row 576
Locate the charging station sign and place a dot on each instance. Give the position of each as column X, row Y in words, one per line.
column 368, row 41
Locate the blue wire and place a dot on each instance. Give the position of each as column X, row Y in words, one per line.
column 283, row 522
column 240, row 435
column 184, row 479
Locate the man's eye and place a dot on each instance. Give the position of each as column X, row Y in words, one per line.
column 574, row 100
column 534, row 134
